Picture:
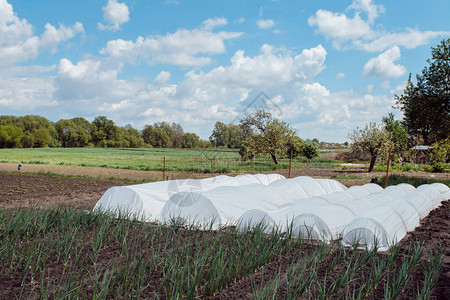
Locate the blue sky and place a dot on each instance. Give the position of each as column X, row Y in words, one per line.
column 325, row 67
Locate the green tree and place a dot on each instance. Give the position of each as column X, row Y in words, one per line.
column 228, row 135
column 265, row 135
column 219, row 135
column 178, row 132
column 373, row 139
column 71, row 135
column 41, row 138
column 426, row 105
column 309, row 150
column 190, row 140
column 106, row 132
column 295, row 145
column 398, row 135
column 158, row 135
column 10, row 136
column 133, row 137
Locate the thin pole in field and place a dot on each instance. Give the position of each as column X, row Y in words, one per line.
column 164, row 168
column 387, row 169
column 20, row 181
column 290, row 163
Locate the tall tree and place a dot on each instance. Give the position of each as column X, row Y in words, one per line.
column 228, row 135
column 398, row 135
column 426, row 105
column 373, row 139
column 265, row 135
column 177, row 135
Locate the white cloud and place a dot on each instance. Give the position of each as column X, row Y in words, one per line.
column 111, row 107
column 316, row 95
column 52, row 36
column 264, row 70
column 340, row 75
column 13, row 28
column 17, row 42
column 265, row 24
column 410, row 39
column 383, row 65
column 356, row 32
column 115, row 14
column 180, row 48
column 339, row 27
column 88, row 78
column 367, row 6
column 162, row 78
column 210, row 24
column 26, row 93
column 153, row 112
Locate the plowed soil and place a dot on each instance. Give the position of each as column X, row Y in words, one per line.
column 83, row 193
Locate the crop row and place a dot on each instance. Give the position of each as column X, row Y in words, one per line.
column 65, row 253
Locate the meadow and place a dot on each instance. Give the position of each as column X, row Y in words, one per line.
column 157, row 159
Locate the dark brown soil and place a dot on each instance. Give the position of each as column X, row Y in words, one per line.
column 46, row 191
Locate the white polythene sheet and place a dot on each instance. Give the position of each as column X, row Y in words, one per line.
column 230, row 203
column 394, row 191
column 331, row 186
column 310, row 185
column 358, row 192
column 372, row 187
column 406, row 187
column 381, row 227
column 324, row 223
column 421, row 202
column 432, row 193
column 441, row 187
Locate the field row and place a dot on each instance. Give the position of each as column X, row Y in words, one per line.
column 64, row 253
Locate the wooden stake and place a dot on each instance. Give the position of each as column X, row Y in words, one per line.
column 164, row 169
column 387, row 169
column 290, row 163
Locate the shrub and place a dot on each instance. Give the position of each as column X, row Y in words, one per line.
column 310, row 151
column 439, row 167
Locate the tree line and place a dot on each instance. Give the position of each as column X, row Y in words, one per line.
column 256, row 135
column 32, row 131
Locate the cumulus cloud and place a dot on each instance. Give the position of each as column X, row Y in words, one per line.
column 410, row 39
column 367, row 6
column 210, row 24
column 53, row 36
column 266, row 69
column 383, row 65
column 316, row 95
column 356, row 32
column 181, row 48
column 339, row 27
column 18, row 42
column 162, row 78
column 88, row 78
column 26, row 93
column 115, row 14
column 265, row 24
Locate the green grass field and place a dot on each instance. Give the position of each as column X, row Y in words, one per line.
column 195, row 160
